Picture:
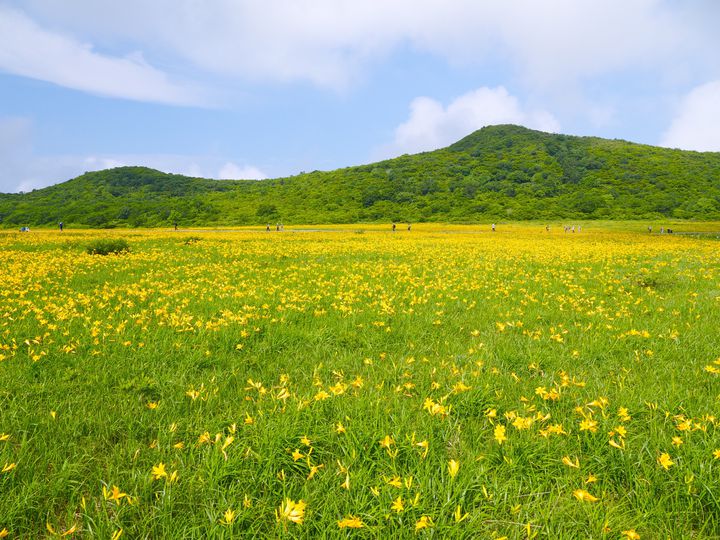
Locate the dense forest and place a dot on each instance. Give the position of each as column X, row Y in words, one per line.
column 497, row 173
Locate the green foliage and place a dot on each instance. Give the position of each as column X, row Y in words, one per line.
column 498, row 172
column 107, row 246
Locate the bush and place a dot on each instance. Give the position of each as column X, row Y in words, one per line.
column 106, row 247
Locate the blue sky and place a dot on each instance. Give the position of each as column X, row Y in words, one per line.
column 250, row 89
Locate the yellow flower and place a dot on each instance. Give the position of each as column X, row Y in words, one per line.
column 453, row 468
column 459, row 516
column 716, row 453
column 588, row 424
column 665, row 461
column 398, row 505
column 9, row 467
column 677, row 441
column 116, row 535
column 228, row 517
column 290, row 510
column 584, row 496
column 387, row 442
column 570, row 463
column 158, row 471
column 499, row 434
column 113, row 495
column 4, row 533
column 423, row 522
column 631, row 534
column 351, row 522
column 297, row 454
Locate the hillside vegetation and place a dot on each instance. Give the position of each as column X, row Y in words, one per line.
column 498, row 172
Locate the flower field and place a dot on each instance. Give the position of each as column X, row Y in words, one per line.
column 440, row 382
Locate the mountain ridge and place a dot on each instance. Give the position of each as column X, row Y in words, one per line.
column 497, row 172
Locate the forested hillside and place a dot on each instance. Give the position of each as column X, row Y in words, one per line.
column 498, row 172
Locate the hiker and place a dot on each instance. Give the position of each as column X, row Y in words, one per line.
column 493, row 227
column 61, row 224
column 176, row 225
column 408, row 226
column 393, row 227
column 267, row 228
column 277, row 228
column 650, row 229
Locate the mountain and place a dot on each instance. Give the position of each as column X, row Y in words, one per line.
column 498, row 172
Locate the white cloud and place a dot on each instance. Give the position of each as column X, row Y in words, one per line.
column 328, row 42
column 27, row 49
column 24, row 170
column 432, row 125
column 231, row 171
column 696, row 125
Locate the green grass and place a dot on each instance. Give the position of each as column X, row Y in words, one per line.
column 300, row 332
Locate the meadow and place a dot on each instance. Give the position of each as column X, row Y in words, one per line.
column 443, row 382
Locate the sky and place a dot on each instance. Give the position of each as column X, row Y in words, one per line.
column 255, row 89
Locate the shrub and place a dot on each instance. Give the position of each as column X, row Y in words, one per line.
column 106, row 247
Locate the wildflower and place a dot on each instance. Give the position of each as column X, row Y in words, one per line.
column 398, row 505
column 113, row 495
column 387, row 442
column 304, row 440
column 314, row 470
column 588, row 424
column 453, row 468
column 350, row 522
column 677, row 441
column 4, row 533
column 8, row 467
column 395, row 482
column 459, row 516
column 425, row 446
column 665, row 461
column 297, row 454
column 716, row 453
column 499, row 434
column 116, row 535
column 158, row 471
column 584, row 496
column 631, row 534
column 339, row 428
column 228, row 517
column 290, row 510
column 570, row 463
column 423, row 522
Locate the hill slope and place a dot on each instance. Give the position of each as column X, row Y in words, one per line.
column 498, row 172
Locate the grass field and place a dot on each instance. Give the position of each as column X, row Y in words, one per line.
column 443, row 382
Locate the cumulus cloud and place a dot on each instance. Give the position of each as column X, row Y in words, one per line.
column 27, row 49
column 432, row 125
column 696, row 125
column 329, row 42
column 232, row 171
column 24, row 170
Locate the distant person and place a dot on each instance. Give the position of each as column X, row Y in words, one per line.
column 267, row 228
column 493, row 227
column 662, row 230
column 573, row 229
column 408, row 226
column 61, row 224
column 176, row 225
column 393, row 227
column 277, row 228
column 650, row 228
column 547, row 228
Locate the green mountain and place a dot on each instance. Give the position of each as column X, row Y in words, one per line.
column 498, row 172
